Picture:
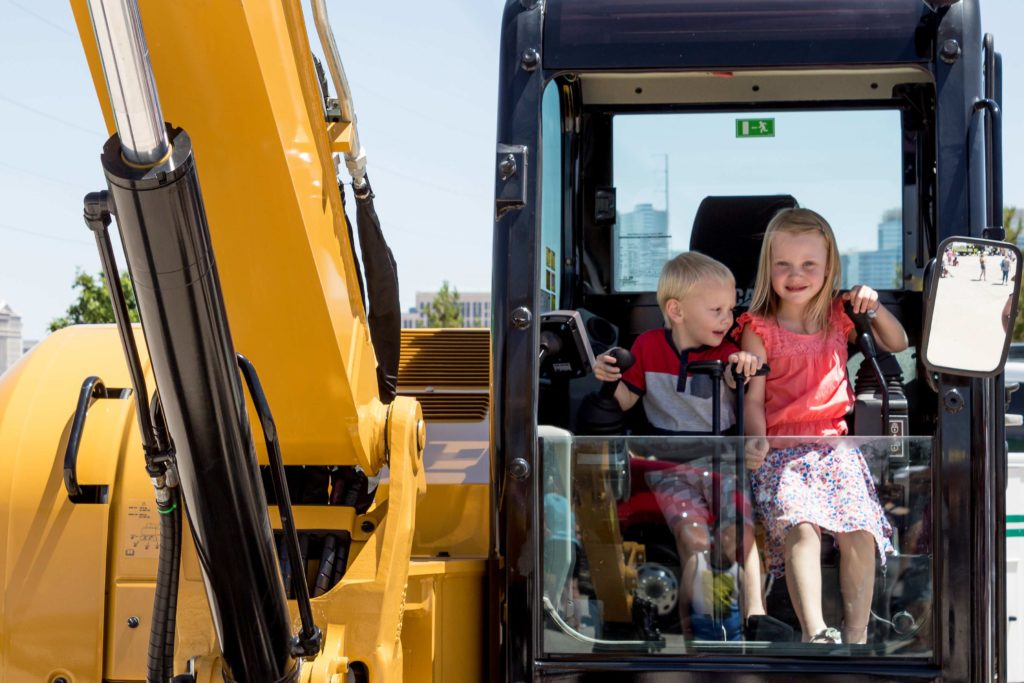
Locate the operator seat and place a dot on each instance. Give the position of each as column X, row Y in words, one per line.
column 730, row 229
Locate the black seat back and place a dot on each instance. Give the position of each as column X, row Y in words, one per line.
column 730, row 229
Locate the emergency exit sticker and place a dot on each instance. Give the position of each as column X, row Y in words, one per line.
column 755, row 128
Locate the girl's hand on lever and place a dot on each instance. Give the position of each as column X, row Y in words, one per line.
column 863, row 299
column 889, row 333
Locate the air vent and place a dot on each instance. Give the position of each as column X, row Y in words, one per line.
column 455, row 357
column 444, row 407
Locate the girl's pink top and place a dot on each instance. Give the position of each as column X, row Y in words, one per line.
column 807, row 392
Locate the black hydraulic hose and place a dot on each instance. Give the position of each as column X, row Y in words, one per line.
column 159, row 668
column 326, row 569
column 172, row 584
column 385, row 315
column 97, row 211
column 307, row 643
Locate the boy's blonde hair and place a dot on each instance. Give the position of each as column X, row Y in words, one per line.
column 682, row 274
column 765, row 302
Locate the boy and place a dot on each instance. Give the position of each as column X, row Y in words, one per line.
column 696, row 295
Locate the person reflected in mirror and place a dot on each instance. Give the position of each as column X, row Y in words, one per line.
column 1004, row 266
column 981, row 265
column 797, row 324
column 696, row 295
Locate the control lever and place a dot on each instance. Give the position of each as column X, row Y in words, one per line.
column 741, row 389
column 715, row 369
column 865, row 337
column 866, row 343
column 600, row 414
column 550, row 344
column 624, row 360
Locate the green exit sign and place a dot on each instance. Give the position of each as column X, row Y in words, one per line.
column 755, row 128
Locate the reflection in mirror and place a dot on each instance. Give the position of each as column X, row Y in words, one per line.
column 973, row 303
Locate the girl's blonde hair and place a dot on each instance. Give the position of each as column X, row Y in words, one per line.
column 765, row 302
column 682, row 274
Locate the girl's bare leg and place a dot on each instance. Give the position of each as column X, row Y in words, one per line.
column 753, row 596
column 803, row 576
column 857, row 581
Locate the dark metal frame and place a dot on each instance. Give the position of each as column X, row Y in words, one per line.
column 967, row 497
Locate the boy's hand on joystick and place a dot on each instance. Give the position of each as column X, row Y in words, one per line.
column 610, row 366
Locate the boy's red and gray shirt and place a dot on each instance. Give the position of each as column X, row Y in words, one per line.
column 675, row 401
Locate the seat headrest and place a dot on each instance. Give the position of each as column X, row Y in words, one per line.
column 730, row 229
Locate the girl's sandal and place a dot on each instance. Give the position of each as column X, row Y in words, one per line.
column 827, row 636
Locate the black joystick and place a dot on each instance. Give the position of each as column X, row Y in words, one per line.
column 865, row 338
column 600, row 414
column 623, row 361
column 866, row 343
column 550, row 345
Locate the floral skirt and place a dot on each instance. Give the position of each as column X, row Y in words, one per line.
column 826, row 486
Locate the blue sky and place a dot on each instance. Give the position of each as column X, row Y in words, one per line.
column 810, row 157
column 424, row 79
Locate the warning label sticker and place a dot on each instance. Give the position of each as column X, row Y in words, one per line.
column 142, row 529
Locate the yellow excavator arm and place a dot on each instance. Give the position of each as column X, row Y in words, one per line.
column 239, row 77
column 241, row 224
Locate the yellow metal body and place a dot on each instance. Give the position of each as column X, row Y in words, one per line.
column 239, row 78
column 77, row 580
column 57, row 559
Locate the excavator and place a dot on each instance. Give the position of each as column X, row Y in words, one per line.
column 315, row 495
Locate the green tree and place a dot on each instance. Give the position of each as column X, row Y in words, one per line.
column 445, row 310
column 93, row 304
column 1013, row 223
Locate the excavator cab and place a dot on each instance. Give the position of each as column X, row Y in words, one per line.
column 629, row 132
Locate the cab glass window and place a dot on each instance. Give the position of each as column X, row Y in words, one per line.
column 660, row 545
column 843, row 164
column 551, row 199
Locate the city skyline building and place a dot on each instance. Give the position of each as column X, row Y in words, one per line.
column 883, row 267
column 642, row 241
column 475, row 308
column 10, row 336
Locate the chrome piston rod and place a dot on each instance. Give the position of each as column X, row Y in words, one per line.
column 355, row 160
column 130, row 84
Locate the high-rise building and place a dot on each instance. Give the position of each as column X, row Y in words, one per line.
column 641, row 240
column 10, row 336
column 475, row 307
column 883, row 267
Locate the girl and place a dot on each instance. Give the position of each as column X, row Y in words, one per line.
column 797, row 325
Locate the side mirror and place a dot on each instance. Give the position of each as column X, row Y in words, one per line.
column 970, row 307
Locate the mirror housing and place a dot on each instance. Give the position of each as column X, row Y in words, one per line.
column 970, row 307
